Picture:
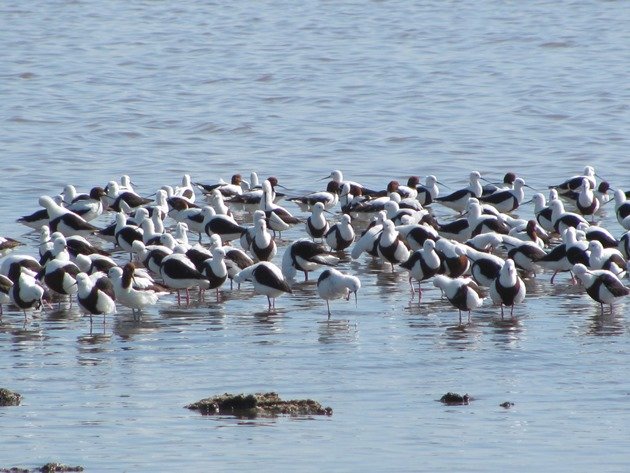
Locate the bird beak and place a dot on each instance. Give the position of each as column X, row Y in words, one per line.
column 442, row 184
column 529, row 187
column 281, row 186
column 527, row 202
column 486, row 180
column 599, row 177
column 328, row 212
column 151, row 195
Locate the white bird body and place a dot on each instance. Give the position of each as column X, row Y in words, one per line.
column 333, row 284
column 508, row 288
column 267, row 279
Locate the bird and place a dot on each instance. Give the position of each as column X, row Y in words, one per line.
column 255, row 195
column 235, row 260
column 429, row 192
column 507, row 200
column 178, row 273
column 368, row 241
column 248, row 235
column 94, row 263
column 586, row 202
column 601, row 285
column 525, row 254
column 263, row 247
column 267, row 279
column 423, row 264
column 542, row 212
column 622, row 209
column 117, row 197
column 5, row 289
column 150, row 256
column 304, row 255
column 333, row 284
column 562, row 257
column 235, row 187
column 329, row 197
column 215, row 270
column 222, row 225
column 507, row 183
column 415, row 234
column 340, row 235
column 484, row 267
column 462, row 293
column 65, row 221
column 279, row 219
column 26, row 292
column 316, row 223
column 59, row 274
column 126, row 294
column 337, row 176
column 8, row 244
column 453, row 257
column 391, row 247
column 479, row 223
column 88, row 206
column 562, row 219
column 95, row 297
column 574, row 182
column 610, row 259
column 459, row 199
column 125, row 234
column 508, row 288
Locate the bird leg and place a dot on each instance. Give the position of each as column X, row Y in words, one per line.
column 501, row 311
column 553, row 276
column 328, row 306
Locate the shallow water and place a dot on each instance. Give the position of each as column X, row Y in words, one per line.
column 380, row 90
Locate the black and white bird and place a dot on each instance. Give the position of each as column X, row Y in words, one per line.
column 8, row 244
column 507, row 183
column 463, row 293
column 333, row 284
column 215, row 270
column 428, row 192
column 610, row 259
column 316, row 223
column 26, row 292
column 479, row 222
column 120, row 199
column 94, row 263
column 235, row 260
column 341, row 235
column 601, row 285
column 235, row 187
column 95, row 297
column 59, row 274
column 178, row 273
column 453, row 256
column 562, row 257
column 329, row 197
column 573, row 183
column 368, row 241
column 267, row 279
column 484, row 267
column 263, row 246
column 562, row 219
column 622, row 209
column 542, row 212
column 135, row 298
column 151, row 256
column 423, row 264
column 458, row 200
column 5, row 289
column 416, row 234
column 304, row 255
column 586, row 202
column 508, row 288
column 525, row 254
column 125, row 234
column 355, row 188
column 64, row 221
column 222, row 225
column 87, row 206
column 506, row 200
column 279, row 219
column 391, row 247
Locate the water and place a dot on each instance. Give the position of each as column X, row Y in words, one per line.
column 381, row 90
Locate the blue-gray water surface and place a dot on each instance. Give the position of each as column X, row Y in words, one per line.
column 381, row 90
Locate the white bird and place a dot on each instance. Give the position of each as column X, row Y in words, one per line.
column 304, row 255
column 26, row 292
column 429, row 192
column 574, row 182
column 333, row 284
column 178, row 273
column 316, row 223
column 95, row 297
column 341, row 235
column 459, row 199
column 65, row 221
column 263, row 247
column 562, row 219
column 622, row 209
column 462, row 293
column 610, row 259
column 422, row 265
column 267, row 279
column 508, row 288
column 601, row 285
column 215, row 270
column 391, row 247
column 126, row 294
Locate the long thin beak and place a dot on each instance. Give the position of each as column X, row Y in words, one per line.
column 529, row 187
column 324, row 178
column 442, row 184
column 527, row 202
column 486, row 180
column 151, row 195
column 328, row 212
column 600, row 177
column 281, row 186
column 356, row 299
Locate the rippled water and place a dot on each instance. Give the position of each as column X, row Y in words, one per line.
column 93, row 90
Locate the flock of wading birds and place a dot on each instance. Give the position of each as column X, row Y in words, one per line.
column 460, row 256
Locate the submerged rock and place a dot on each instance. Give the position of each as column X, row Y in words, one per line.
column 9, row 398
column 454, row 398
column 258, row 405
column 506, row 404
column 47, row 468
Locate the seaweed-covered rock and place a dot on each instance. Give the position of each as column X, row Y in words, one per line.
column 454, row 398
column 258, row 405
column 50, row 467
column 9, row 398
column 506, row 404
